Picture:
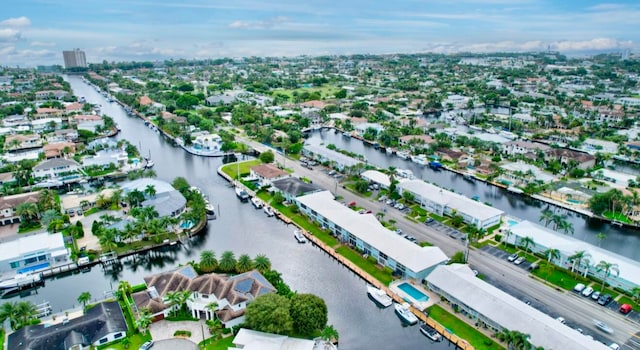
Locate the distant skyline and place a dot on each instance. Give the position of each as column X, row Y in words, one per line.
column 37, row 31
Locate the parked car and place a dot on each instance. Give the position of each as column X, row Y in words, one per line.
column 533, row 266
column 579, row 288
column 520, row 260
column 79, row 212
column 352, row 204
column 614, row 346
column 332, row 172
column 587, row 292
column 71, row 213
column 625, row 308
column 595, row 295
column 146, row 346
column 513, row 257
column 605, row 299
column 561, row 320
column 382, row 198
column 398, row 231
column 428, row 220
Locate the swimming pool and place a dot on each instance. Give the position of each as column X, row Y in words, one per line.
column 185, row 225
column 413, row 292
column 512, row 222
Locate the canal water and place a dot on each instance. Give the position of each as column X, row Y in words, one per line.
column 241, row 229
column 622, row 241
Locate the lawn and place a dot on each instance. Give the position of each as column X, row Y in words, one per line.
column 626, row 300
column 325, row 90
column 220, row 344
column 560, row 277
column 243, row 167
column 371, row 268
column 617, row 216
column 135, row 341
column 462, row 329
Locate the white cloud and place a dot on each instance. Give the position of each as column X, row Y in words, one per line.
column 266, row 24
column 16, row 22
column 42, row 43
column 7, row 50
column 597, row 44
column 9, row 34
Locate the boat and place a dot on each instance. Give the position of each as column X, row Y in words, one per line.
column 603, row 327
column 267, row 209
column 404, row 312
column 149, row 163
column 379, row 296
column 515, row 190
column 468, row 176
column 346, row 134
column 257, row 202
column 299, row 236
column 20, row 280
column 430, row 332
column 402, row 154
column 209, row 209
column 420, row 159
column 242, row 194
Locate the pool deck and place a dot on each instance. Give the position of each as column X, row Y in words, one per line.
column 420, row 305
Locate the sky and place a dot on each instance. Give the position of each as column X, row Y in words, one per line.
column 36, row 31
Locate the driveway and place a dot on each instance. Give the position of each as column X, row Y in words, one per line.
column 89, row 240
column 163, row 330
column 173, row 344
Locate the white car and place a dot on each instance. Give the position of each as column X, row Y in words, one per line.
column 614, row 346
column 579, row 287
column 519, row 260
column 587, row 292
column 595, row 295
column 561, row 320
column 512, row 257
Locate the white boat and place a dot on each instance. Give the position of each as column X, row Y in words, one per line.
column 209, row 209
column 468, row 176
column 257, row 202
column 420, row 159
column 379, row 296
column 19, row 280
column 403, row 154
column 242, row 194
column 299, row 236
column 149, row 163
column 515, row 190
column 267, row 209
column 404, row 312
column 430, row 332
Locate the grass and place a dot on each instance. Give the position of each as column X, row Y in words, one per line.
column 243, row 168
column 135, row 341
column 462, row 329
column 92, row 211
column 2, row 337
column 325, row 90
column 626, row 300
column 374, row 270
column 617, row 216
column 220, row 344
column 560, row 277
column 437, row 217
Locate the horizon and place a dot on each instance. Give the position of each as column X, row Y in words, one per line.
column 35, row 32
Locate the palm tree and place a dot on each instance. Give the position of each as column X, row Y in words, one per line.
column 244, row 263
column 606, row 268
column 526, row 242
column 124, row 287
column 107, row 239
column 173, row 299
column 8, row 312
column 565, row 226
column 600, row 237
column 150, row 190
column 212, row 306
column 47, row 200
column 215, row 328
column 144, row 320
column 520, row 341
column 27, row 211
column 552, row 254
column 84, row 298
column 330, row 334
column 25, row 312
column 577, row 257
column 262, row 263
column 183, row 297
column 208, row 261
column 227, row 261
column 635, row 291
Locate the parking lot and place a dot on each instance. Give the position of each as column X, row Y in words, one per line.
column 501, row 254
column 449, row 231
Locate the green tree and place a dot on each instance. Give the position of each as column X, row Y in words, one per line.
column 181, row 184
column 458, row 258
column 547, row 216
column 28, row 212
column 262, row 263
column 270, row 313
column 208, row 261
column 267, row 157
column 600, row 236
column 25, row 312
column 361, row 186
column 150, row 190
column 526, row 243
column 244, row 263
column 330, row 334
column 8, row 311
column 552, row 254
column 84, row 298
column 308, row 312
column 227, row 262
column 173, row 299
column 606, row 269
column 144, row 320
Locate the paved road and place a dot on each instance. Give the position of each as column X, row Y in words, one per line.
column 578, row 311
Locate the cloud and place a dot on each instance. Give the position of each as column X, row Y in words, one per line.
column 42, row 43
column 9, row 34
column 565, row 46
column 597, row 44
column 266, row 24
column 16, row 22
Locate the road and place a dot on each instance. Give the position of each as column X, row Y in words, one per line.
column 578, row 311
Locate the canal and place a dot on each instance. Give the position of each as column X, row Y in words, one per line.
column 621, row 241
column 241, row 229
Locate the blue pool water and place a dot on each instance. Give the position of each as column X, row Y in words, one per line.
column 574, row 201
column 512, row 222
column 413, row 292
column 33, row 267
column 186, row 225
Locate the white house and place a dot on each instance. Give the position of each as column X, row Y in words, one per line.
column 88, row 122
column 248, row 339
column 377, row 177
column 267, row 173
column 8, row 206
column 32, row 253
column 57, row 169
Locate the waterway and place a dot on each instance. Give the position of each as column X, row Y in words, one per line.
column 241, row 229
column 621, row 241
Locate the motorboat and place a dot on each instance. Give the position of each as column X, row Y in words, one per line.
column 242, row 194
column 430, row 332
column 419, row 159
column 257, row 202
column 404, row 312
column 603, row 326
column 514, row 190
column 468, row 176
column 379, row 296
column 209, row 209
column 403, row 154
column 267, row 210
column 299, row 236
column 20, row 280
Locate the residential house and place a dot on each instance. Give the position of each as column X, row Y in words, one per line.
column 292, row 187
column 59, row 149
column 8, row 205
column 103, row 323
column 248, row 339
column 583, row 160
column 7, row 178
column 19, row 142
column 47, row 94
column 362, row 128
column 70, row 135
column 416, row 139
column 267, row 173
column 231, row 294
column 88, row 122
column 376, row 177
column 168, row 116
column 220, row 99
column 322, row 154
column 74, row 107
column 46, row 112
column 167, row 201
column 33, row 253
column 523, row 147
column 57, row 169
column 369, row 236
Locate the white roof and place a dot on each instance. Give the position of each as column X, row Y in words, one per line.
column 330, row 154
column 453, row 200
column 253, row 340
column 141, row 184
column 460, row 282
column 33, row 243
column 370, row 230
column 377, row 176
column 629, row 269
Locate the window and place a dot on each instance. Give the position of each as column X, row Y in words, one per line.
column 15, row 264
column 42, row 258
column 103, row 340
column 117, row 335
column 30, row 261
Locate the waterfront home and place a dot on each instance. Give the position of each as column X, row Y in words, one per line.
column 322, row 154
column 231, row 294
column 47, row 112
column 117, row 157
column 248, row 339
column 362, row 128
column 63, row 135
column 444, row 202
column 365, row 233
column 267, row 173
column 48, row 94
column 8, row 205
column 376, row 177
column 292, row 187
column 206, row 144
column 627, row 277
column 57, row 169
column 22, row 141
column 31, row 253
column 56, row 150
column 424, row 140
column 523, row 147
column 583, row 160
column 494, row 309
column 88, row 122
column 101, row 324
column 167, row 201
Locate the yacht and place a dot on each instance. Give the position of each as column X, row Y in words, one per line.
column 420, row 159
column 242, row 194
column 404, row 312
column 468, row 176
column 515, row 190
column 211, row 214
column 257, row 202
column 20, row 280
column 403, row 154
column 379, row 296
column 267, row 210
column 299, row 236
column 430, row 332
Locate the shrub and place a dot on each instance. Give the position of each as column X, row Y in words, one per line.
column 498, row 238
column 182, row 333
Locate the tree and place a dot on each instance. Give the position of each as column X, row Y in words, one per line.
column 552, row 254
column 267, row 157
column 270, row 313
column 408, row 196
column 244, row 263
column 308, row 312
column 27, row 212
column 208, row 261
column 144, row 320
column 150, row 190
column 578, row 256
column 526, row 243
column 227, row 262
column 330, row 334
column 173, row 299
column 262, row 263
column 84, row 298
column 181, row 184
column 606, row 268
column 25, row 312
column 8, row 311
column 361, row 186
column 458, row 258
column 47, row 200
column 547, row 216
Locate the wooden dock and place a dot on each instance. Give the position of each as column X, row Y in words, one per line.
column 52, row 271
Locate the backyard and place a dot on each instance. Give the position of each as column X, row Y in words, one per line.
column 463, row 330
column 243, row 168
